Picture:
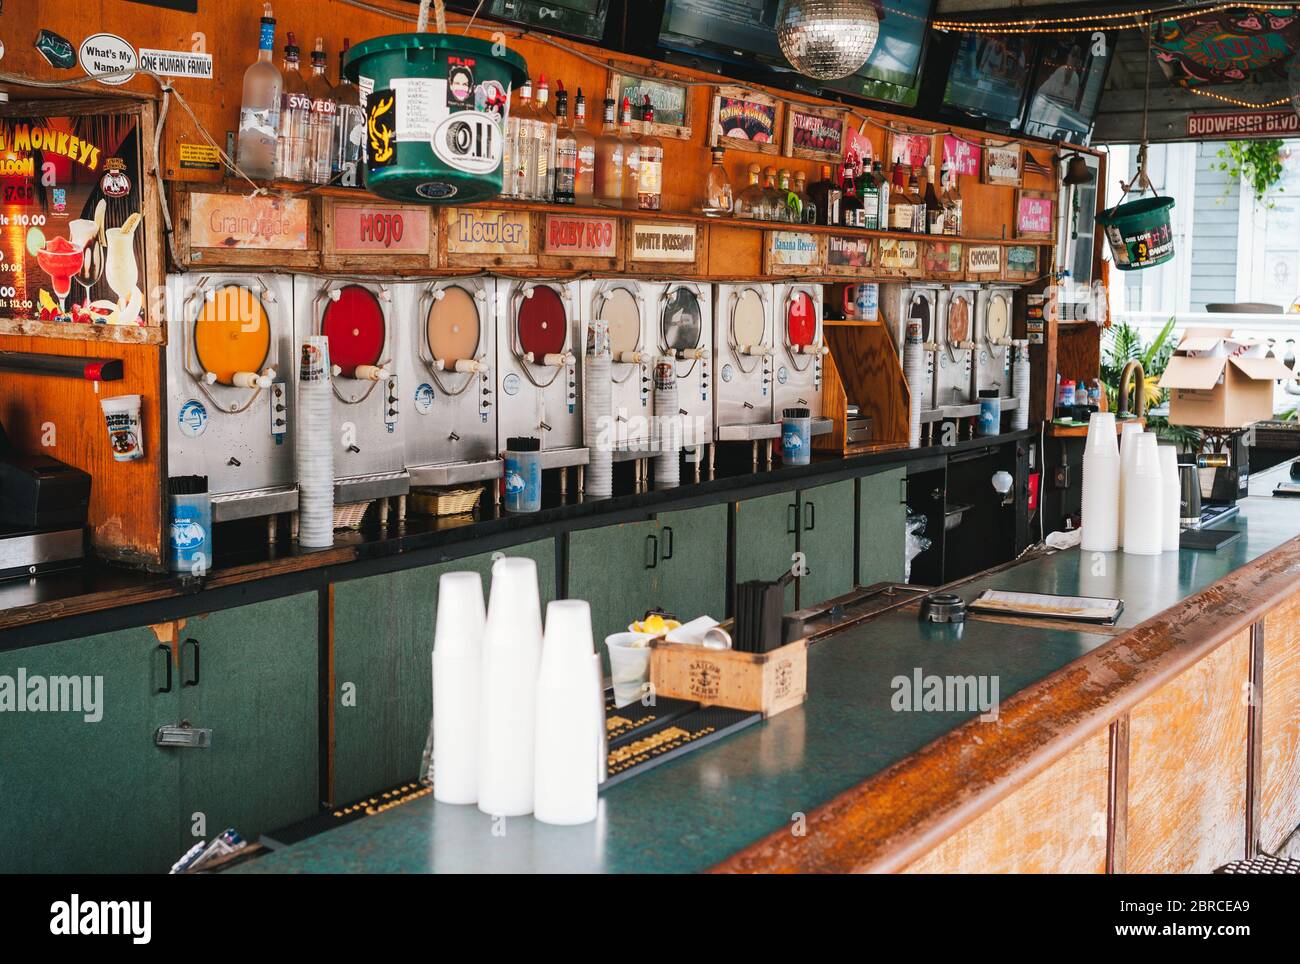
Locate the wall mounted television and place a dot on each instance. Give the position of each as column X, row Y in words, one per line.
column 584, row 19
column 1067, row 86
column 892, row 71
column 989, row 77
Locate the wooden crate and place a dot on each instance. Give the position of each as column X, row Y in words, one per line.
column 766, row 682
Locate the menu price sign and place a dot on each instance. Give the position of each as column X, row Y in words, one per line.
column 580, row 237
column 793, row 252
column 72, row 238
column 663, row 243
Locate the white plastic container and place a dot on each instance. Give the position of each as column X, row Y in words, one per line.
column 566, row 769
column 1101, row 482
column 1143, row 496
column 457, row 686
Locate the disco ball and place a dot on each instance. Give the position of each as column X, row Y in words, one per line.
column 827, row 39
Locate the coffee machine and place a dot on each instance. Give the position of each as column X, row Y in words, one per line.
column 448, row 384
column 539, row 327
column 800, row 352
column 365, row 343
column 231, row 389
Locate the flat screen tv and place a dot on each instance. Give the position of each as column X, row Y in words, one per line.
column 734, row 30
column 890, row 73
column 989, row 76
column 1067, row 86
column 576, row 18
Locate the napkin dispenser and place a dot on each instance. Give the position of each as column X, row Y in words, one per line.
column 40, row 492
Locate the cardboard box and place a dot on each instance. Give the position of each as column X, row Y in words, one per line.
column 1217, row 381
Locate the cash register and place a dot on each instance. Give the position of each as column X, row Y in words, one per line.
column 43, row 505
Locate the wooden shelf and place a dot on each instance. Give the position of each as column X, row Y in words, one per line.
column 1081, row 431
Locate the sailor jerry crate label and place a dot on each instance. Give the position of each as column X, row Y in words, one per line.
column 486, row 231
column 984, row 259
column 580, row 236
column 663, row 242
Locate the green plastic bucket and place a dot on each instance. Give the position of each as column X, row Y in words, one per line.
column 436, row 107
column 1139, row 233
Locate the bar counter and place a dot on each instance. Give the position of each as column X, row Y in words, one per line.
column 1116, row 749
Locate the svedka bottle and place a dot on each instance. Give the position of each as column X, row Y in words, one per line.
column 259, row 110
column 295, row 118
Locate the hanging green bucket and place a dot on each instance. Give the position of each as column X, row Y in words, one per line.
column 436, row 108
column 1139, row 233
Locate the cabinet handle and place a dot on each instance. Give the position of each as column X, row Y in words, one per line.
column 195, row 680
column 167, row 658
column 792, row 520
column 809, row 516
column 668, row 547
column 652, row 543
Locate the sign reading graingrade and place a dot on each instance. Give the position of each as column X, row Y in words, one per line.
column 1238, row 124
column 584, row 237
column 176, row 63
column 235, row 221
column 984, row 259
column 380, row 229
column 663, row 242
column 487, row 231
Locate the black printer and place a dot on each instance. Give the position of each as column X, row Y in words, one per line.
column 43, row 506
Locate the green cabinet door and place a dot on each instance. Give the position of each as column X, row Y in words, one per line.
column 83, row 787
column 882, row 527
column 766, row 533
column 693, row 562
column 383, row 667
column 618, row 570
column 250, row 674
column 827, row 526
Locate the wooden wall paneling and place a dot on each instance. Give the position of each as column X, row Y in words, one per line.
column 1187, row 767
column 1279, row 809
column 834, row 406
column 1078, row 351
column 733, row 253
column 1054, row 823
column 61, row 417
column 872, row 376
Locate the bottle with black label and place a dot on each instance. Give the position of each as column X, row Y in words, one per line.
column 869, row 193
column 850, row 204
column 826, row 198
column 566, row 151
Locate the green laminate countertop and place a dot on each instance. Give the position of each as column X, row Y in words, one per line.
column 691, row 813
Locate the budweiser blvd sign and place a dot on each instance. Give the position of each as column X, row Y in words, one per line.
column 380, row 229
column 580, row 236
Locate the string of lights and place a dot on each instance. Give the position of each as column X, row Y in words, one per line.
column 1132, row 19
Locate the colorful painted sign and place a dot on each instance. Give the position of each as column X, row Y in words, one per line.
column 814, row 134
column 1035, row 214
column 792, row 249
column 484, row 231
column 944, row 258
column 849, row 252
column 1022, row 263
column 911, row 149
column 744, row 119
column 237, row 221
column 962, row 156
column 1227, row 45
column 663, row 242
column 858, row 149
column 380, row 229
column 583, row 237
column 898, row 256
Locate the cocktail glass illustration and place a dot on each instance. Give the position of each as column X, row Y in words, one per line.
column 120, row 269
column 85, row 235
column 61, row 260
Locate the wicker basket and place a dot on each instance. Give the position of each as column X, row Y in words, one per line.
column 349, row 516
column 438, row 502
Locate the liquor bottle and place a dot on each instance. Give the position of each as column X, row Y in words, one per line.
column 719, row 202
column 519, row 144
column 952, row 221
column 773, row 199
column 850, row 204
column 295, row 117
column 934, row 212
column 320, row 133
column 917, row 200
column 883, row 190
column 259, row 110
column 566, row 153
column 628, row 134
column 540, row 187
column 650, row 174
column 349, row 128
column 752, row 202
column 869, row 196
column 791, row 211
column 584, row 178
column 900, row 206
column 609, row 160
column 805, row 199
column 826, row 198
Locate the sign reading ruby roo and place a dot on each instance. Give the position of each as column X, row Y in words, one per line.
column 588, row 237
column 1239, row 124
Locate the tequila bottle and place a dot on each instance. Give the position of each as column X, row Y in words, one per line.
column 544, row 131
column 752, row 202
column 519, row 144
